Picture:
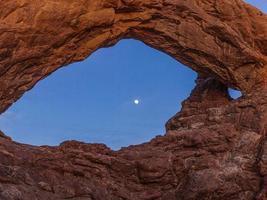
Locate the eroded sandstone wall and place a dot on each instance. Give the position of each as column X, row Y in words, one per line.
column 214, row 148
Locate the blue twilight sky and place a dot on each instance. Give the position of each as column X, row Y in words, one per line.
column 93, row 101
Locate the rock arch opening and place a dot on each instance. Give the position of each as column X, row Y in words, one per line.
column 233, row 51
column 234, row 94
column 93, row 101
column 214, row 148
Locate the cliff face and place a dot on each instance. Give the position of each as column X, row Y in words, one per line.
column 215, row 148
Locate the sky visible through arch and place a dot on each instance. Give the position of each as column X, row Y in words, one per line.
column 93, row 101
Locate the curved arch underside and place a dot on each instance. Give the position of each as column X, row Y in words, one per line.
column 222, row 39
column 214, row 148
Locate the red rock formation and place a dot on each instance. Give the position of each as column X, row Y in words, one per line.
column 215, row 148
column 225, row 39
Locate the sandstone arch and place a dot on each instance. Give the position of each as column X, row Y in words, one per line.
column 38, row 38
column 215, row 148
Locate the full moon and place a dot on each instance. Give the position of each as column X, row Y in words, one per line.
column 136, row 101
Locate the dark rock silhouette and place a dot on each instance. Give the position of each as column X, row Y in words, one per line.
column 214, row 148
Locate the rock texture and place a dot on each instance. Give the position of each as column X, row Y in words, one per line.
column 225, row 39
column 214, row 148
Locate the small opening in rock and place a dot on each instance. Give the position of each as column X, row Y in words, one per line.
column 235, row 94
column 119, row 96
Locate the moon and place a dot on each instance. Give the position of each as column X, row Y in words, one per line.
column 136, row 101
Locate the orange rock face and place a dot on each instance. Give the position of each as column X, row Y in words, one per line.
column 215, row 148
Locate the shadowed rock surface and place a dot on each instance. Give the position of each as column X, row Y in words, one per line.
column 214, row 148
